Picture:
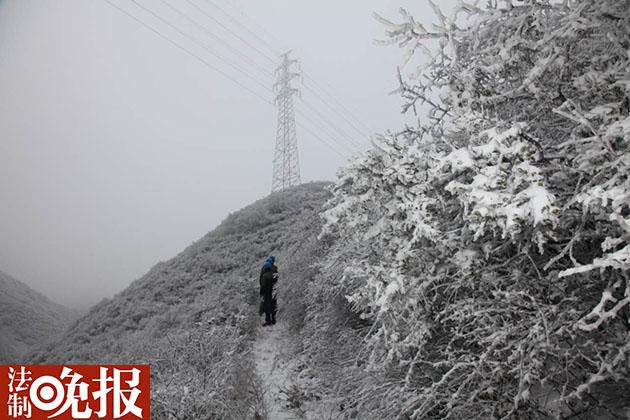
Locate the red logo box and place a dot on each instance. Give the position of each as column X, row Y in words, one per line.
column 75, row 392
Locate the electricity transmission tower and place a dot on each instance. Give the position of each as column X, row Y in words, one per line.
column 286, row 165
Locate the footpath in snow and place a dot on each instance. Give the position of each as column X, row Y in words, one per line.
column 279, row 371
column 270, row 354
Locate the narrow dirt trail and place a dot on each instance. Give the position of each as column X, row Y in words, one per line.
column 270, row 351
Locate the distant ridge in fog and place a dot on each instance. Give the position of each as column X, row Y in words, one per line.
column 27, row 318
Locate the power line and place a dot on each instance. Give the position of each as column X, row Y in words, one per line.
column 204, row 46
column 186, row 50
column 254, row 78
column 218, row 38
column 231, row 31
column 325, row 130
column 212, row 67
column 307, row 76
column 315, row 84
column 341, row 114
column 314, row 134
column 337, row 129
column 271, row 48
column 321, row 124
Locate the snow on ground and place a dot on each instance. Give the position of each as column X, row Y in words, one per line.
column 282, row 380
column 271, row 357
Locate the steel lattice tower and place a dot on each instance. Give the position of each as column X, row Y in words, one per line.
column 286, row 165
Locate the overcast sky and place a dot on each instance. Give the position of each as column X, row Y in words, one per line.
column 118, row 149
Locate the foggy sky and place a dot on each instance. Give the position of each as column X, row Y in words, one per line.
column 117, row 149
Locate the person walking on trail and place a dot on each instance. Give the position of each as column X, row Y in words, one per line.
column 268, row 279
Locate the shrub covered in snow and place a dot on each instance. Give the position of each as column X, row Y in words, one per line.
column 488, row 248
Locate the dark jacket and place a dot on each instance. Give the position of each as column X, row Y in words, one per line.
column 268, row 278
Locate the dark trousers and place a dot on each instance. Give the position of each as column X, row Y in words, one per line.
column 269, row 304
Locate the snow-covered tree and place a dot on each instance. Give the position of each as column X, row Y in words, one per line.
column 489, row 247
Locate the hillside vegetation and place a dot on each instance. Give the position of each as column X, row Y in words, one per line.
column 479, row 263
column 193, row 317
column 27, row 318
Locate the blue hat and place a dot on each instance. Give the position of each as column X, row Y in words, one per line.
column 269, row 262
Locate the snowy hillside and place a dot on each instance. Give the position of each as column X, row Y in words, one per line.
column 194, row 317
column 27, row 318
